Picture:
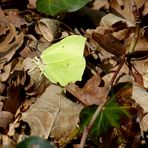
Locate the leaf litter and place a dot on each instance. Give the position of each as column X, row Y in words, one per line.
column 31, row 105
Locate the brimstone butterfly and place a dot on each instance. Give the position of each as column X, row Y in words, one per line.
column 63, row 62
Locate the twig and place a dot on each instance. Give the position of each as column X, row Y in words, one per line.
column 88, row 128
column 118, row 70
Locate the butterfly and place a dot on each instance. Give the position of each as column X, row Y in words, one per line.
column 63, row 62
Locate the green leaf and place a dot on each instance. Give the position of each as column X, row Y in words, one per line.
column 53, row 7
column 63, row 62
column 109, row 117
column 34, row 141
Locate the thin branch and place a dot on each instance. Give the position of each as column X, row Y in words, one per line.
column 88, row 128
column 118, row 70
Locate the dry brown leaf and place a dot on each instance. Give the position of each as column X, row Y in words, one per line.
column 52, row 113
column 5, row 117
column 144, row 123
column 145, row 11
column 10, row 16
column 98, row 4
column 15, row 96
column 7, row 142
column 6, row 72
column 8, row 38
column 3, row 22
column 122, row 34
column 141, row 49
column 91, row 93
column 142, row 67
column 140, row 95
column 123, row 75
column 15, row 92
column 2, row 87
column 4, row 43
column 113, row 21
column 109, row 43
column 10, row 49
column 125, row 9
column 49, row 28
column 14, row 18
column 32, row 4
column 37, row 82
column 30, row 48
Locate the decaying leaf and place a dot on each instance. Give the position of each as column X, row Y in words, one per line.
column 2, row 87
column 113, row 21
column 13, row 17
column 8, row 49
column 145, row 11
column 98, row 4
column 125, row 9
column 37, row 82
column 8, row 38
column 52, row 114
column 32, row 4
column 6, row 72
column 140, row 95
column 144, row 123
column 15, row 93
column 5, row 117
column 7, row 142
column 91, row 93
column 109, row 43
column 145, row 74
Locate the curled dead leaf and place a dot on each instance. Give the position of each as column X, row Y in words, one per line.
column 8, row 49
column 49, row 28
column 8, row 38
column 113, row 21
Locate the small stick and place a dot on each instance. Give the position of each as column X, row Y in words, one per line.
column 88, row 128
column 117, row 71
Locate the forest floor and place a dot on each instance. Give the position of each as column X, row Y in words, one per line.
column 107, row 108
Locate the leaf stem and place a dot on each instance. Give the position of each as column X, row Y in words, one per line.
column 117, row 71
